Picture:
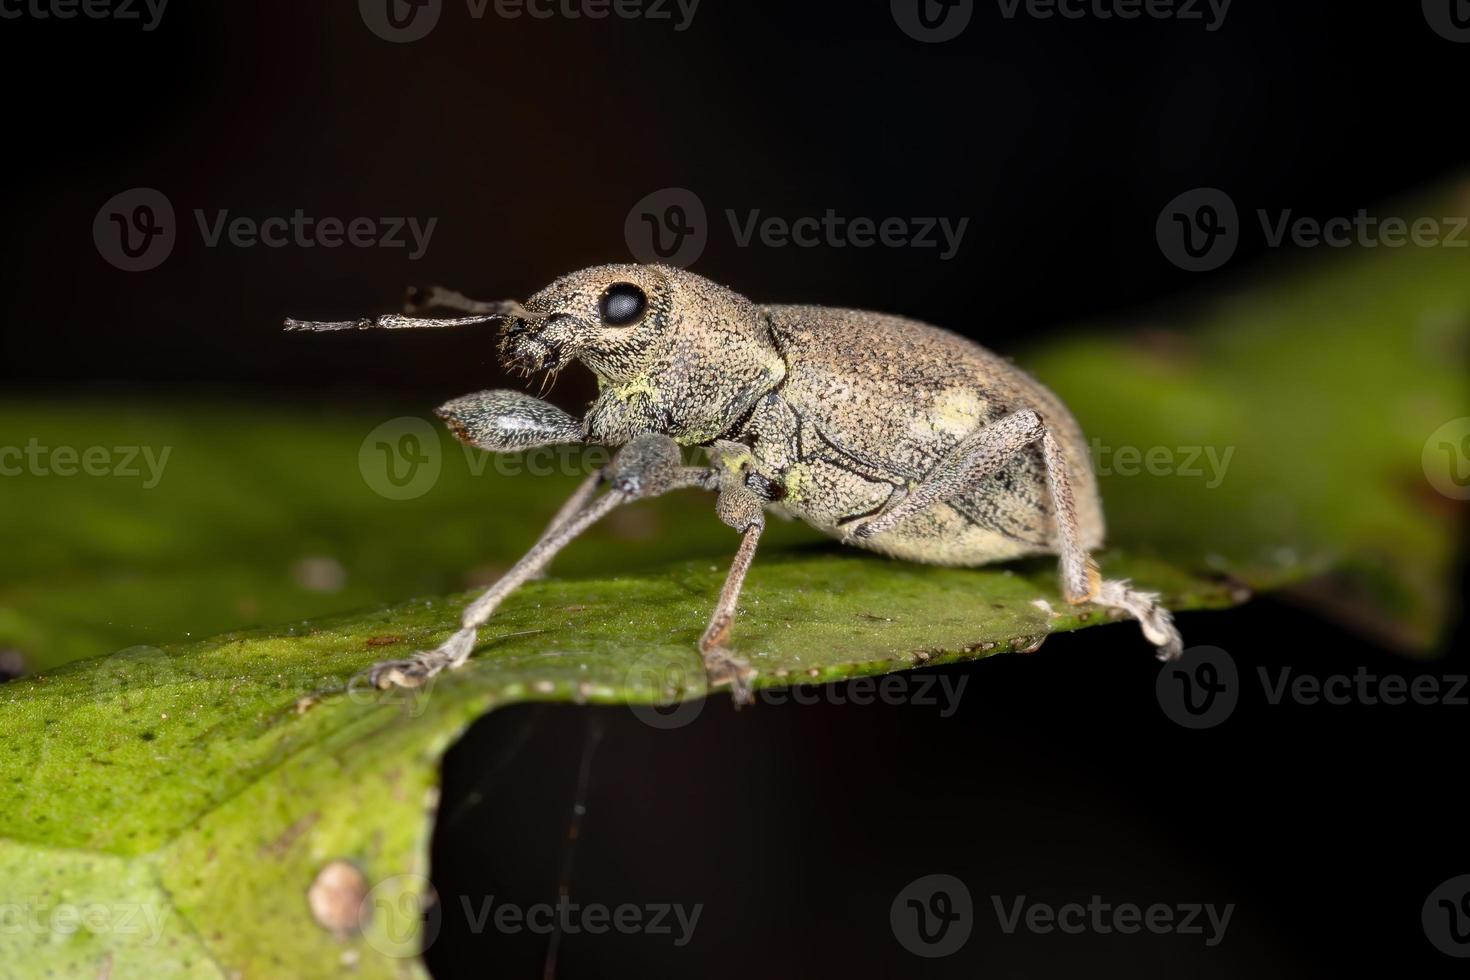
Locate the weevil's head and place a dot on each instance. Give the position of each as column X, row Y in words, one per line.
column 672, row 351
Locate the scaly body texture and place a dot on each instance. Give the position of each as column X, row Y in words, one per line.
column 884, row 432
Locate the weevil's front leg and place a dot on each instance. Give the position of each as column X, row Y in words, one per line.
column 742, row 510
column 646, row 467
column 509, row 421
column 979, row 455
column 504, row 421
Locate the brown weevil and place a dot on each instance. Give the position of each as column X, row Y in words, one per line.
column 878, row 430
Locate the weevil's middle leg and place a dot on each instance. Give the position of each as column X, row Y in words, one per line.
column 738, row 507
column 721, row 665
column 646, row 467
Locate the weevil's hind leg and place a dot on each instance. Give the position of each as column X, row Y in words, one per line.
column 1081, row 581
column 983, row 452
column 646, row 467
column 971, row 460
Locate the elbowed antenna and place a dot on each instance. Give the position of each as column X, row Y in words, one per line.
column 435, row 297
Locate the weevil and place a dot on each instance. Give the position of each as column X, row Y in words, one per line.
column 883, row 432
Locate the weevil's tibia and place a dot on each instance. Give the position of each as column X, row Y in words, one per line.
column 721, row 665
column 737, row 507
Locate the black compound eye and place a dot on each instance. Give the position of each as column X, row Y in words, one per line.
column 623, row 304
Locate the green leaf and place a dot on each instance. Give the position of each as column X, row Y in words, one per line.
column 203, row 786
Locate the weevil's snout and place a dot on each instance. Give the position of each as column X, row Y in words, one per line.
column 532, row 343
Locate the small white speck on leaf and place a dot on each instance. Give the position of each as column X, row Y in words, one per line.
column 336, row 898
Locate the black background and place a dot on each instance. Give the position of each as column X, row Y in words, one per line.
column 529, row 140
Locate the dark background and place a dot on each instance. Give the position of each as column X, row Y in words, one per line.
column 530, row 140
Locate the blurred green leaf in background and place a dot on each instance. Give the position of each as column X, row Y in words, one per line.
column 222, row 790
